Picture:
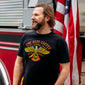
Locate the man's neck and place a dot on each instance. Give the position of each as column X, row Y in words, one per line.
column 44, row 30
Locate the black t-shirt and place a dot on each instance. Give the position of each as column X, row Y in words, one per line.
column 42, row 54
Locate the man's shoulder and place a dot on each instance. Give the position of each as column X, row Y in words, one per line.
column 58, row 36
column 29, row 33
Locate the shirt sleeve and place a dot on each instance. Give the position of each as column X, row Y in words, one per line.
column 21, row 48
column 63, row 52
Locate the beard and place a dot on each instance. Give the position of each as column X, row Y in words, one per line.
column 38, row 25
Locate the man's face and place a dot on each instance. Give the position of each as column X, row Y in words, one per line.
column 38, row 19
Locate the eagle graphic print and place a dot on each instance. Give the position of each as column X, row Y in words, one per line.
column 36, row 49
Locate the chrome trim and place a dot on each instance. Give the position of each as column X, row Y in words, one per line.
column 8, row 48
column 3, row 71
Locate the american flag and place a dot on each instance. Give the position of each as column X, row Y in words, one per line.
column 67, row 25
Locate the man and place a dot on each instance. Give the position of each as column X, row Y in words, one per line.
column 41, row 52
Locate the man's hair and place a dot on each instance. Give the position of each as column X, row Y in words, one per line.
column 48, row 11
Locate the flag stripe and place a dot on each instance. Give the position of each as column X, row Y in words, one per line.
column 79, row 46
column 60, row 8
column 58, row 26
column 75, row 75
column 62, row 1
column 60, row 17
column 57, row 32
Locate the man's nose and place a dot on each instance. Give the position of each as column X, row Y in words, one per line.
column 32, row 17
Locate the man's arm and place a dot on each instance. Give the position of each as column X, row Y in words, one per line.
column 63, row 74
column 18, row 70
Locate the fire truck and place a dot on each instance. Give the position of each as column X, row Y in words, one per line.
column 15, row 20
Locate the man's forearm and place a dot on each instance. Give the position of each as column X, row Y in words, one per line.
column 63, row 75
column 18, row 72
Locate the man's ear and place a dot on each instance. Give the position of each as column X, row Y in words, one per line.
column 47, row 18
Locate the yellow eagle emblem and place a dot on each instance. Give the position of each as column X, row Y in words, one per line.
column 36, row 52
